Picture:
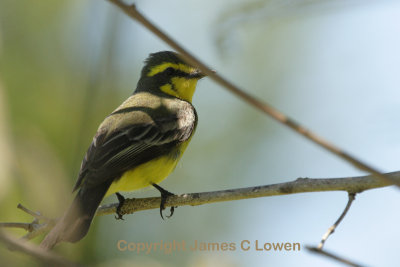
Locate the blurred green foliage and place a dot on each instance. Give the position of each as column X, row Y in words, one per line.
column 53, row 98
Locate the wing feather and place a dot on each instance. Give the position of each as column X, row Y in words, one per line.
column 110, row 155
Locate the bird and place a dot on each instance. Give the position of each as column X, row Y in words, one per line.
column 138, row 145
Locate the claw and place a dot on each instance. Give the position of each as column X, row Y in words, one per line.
column 164, row 196
column 171, row 210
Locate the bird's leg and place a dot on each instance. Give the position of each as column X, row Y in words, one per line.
column 164, row 195
column 121, row 200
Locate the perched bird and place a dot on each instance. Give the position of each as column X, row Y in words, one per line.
column 137, row 145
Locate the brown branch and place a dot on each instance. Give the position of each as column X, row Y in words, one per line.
column 34, row 228
column 34, row 214
column 301, row 185
column 333, row 256
column 132, row 12
column 332, row 229
column 38, row 229
column 26, row 226
column 49, row 258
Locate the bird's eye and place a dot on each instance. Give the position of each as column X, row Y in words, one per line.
column 169, row 71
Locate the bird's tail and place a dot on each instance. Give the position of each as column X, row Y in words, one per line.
column 75, row 222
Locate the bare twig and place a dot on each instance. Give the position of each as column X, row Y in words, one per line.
column 39, row 229
column 132, row 12
column 47, row 257
column 332, row 229
column 26, row 226
column 34, row 228
column 333, row 256
column 301, row 185
column 34, row 214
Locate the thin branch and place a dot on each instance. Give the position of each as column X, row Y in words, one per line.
column 38, row 229
column 333, row 256
column 46, row 257
column 132, row 12
column 34, row 214
column 301, row 185
column 34, row 228
column 332, row 229
column 26, row 226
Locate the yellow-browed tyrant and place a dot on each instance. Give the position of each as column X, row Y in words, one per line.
column 137, row 145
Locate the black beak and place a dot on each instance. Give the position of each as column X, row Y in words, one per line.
column 197, row 74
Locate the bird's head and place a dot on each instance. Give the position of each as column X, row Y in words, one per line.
column 166, row 72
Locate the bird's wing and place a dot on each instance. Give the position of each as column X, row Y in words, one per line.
column 111, row 154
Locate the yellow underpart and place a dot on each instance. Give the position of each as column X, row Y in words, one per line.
column 183, row 88
column 164, row 66
column 146, row 174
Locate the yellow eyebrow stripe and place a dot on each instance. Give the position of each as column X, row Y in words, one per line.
column 160, row 68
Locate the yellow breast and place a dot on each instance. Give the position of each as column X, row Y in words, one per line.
column 146, row 174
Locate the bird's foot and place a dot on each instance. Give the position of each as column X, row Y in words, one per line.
column 121, row 200
column 164, row 196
